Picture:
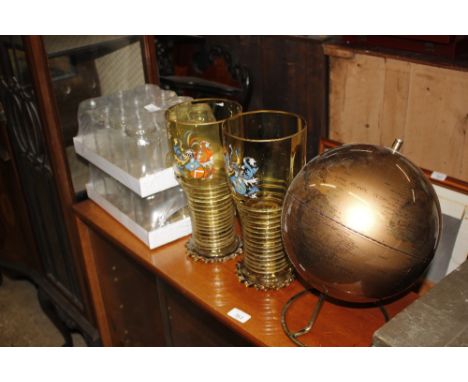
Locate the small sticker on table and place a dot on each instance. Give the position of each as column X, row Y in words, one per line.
column 438, row 175
column 151, row 107
column 239, row 315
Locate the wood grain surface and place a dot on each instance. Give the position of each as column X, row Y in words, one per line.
column 216, row 290
column 376, row 98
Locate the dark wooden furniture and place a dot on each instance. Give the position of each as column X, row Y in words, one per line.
column 15, row 237
column 160, row 297
column 207, row 72
column 39, row 240
column 287, row 73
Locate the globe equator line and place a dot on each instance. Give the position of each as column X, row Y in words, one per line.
column 356, row 232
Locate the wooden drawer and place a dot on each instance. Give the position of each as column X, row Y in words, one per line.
column 128, row 297
column 191, row 326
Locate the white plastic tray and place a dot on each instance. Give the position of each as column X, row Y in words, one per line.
column 145, row 186
column 152, row 239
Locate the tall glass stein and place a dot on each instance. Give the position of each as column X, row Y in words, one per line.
column 194, row 131
column 264, row 150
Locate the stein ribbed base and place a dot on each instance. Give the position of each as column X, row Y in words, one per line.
column 212, row 214
column 265, row 264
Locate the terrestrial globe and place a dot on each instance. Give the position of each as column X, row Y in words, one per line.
column 361, row 223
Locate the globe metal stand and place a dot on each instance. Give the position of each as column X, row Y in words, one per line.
column 293, row 336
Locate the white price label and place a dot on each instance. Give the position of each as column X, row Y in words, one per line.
column 239, row 315
column 151, row 107
column 438, row 175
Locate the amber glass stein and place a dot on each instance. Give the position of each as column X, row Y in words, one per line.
column 194, row 131
column 263, row 152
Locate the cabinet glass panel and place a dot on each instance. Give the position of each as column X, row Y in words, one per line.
column 83, row 67
column 30, row 152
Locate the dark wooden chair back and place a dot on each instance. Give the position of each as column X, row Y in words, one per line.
column 211, row 73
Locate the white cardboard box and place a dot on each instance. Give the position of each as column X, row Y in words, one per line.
column 144, row 187
column 152, row 239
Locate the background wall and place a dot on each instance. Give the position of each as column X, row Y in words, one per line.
column 375, row 98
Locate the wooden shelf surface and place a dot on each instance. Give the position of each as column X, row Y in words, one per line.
column 216, row 289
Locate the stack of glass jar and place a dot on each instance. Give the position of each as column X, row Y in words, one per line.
column 123, row 136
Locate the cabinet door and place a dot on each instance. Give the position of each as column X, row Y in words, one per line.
column 38, row 180
column 41, row 85
column 190, row 325
column 16, row 247
column 125, row 294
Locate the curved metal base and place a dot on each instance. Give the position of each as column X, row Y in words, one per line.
column 293, row 336
column 196, row 256
column 264, row 282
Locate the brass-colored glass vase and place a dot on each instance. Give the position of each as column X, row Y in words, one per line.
column 194, row 130
column 264, row 150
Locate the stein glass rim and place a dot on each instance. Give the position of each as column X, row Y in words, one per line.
column 173, row 119
column 300, row 131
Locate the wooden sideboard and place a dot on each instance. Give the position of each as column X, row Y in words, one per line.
column 160, row 297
